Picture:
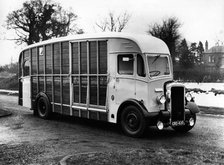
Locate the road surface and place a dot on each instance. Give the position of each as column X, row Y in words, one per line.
column 25, row 139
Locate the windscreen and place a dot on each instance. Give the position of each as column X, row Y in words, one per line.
column 158, row 65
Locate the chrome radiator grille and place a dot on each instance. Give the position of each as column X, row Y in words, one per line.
column 177, row 103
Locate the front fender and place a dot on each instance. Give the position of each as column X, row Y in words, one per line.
column 137, row 103
column 134, row 102
column 192, row 107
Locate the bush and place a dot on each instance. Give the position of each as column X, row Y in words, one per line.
column 197, row 74
column 9, row 83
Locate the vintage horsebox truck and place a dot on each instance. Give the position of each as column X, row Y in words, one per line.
column 115, row 77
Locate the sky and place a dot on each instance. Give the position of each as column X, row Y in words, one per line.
column 201, row 19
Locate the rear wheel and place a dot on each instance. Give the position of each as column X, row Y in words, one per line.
column 43, row 108
column 186, row 127
column 132, row 121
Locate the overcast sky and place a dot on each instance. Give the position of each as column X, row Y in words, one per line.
column 201, row 19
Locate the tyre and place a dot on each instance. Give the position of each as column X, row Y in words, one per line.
column 185, row 128
column 43, row 107
column 132, row 121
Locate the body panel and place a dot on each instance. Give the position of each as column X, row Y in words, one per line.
column 26, row 92
column 155, row 90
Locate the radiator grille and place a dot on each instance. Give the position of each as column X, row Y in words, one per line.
column 177, row 103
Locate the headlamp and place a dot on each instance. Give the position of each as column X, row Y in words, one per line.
column 161, row 99
column 188, row 96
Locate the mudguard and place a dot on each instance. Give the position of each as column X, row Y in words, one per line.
column 41, row 94
column 192, row 107
column 138, row 104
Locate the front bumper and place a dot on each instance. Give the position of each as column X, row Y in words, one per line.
column 165, row 116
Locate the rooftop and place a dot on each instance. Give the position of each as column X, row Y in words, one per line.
column 216, row 49
column 147, row 43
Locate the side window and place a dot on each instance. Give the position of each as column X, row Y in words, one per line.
column 26, row 68
column 140, row 66
column 125, row 64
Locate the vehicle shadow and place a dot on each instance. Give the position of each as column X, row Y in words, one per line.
column 84, row 122
column 165, row 134
column 104, row 128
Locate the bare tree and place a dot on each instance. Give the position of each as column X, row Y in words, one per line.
column 40, row 20
column 114, row 23
column 168, row 31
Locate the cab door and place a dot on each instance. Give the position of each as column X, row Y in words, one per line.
column 125, row 78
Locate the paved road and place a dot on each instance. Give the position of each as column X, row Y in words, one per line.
column 26, row 139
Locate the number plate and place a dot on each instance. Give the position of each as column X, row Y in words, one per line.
column 177, row 123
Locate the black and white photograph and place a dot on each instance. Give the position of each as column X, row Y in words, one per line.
column 111, row 82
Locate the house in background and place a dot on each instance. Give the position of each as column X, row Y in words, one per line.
column 213, row 58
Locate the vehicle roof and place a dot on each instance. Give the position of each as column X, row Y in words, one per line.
column 147, row 43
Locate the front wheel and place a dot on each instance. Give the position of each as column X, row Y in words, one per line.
column 188, row 125
column 132, row 121
column 43, row 108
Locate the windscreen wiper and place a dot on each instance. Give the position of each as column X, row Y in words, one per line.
column 156, row 58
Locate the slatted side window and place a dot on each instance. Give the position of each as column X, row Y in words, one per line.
column 83, row 57
column 57, row 91
column 41, row 84
column 76, row 89
column 65, row 57
column 65, row 91
column 25, row 64
column 75, row 58
column 102, row 57
column 49, row 87
column 92, row 55
column 48, row 58
column 83, row 89
column 26, row 54
column 26, row 67
column 34, row 61
column 93, row 90
column 56, row 51
column 102, row 90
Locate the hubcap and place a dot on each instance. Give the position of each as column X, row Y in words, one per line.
column 191, row 122
column 42, row 107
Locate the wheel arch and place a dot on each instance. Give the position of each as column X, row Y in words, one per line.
column 43, row 106
column 133, row 102
column 41, row 94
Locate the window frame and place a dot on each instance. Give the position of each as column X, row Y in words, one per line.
column 133, row 64
column 23, row 67
column 161, row 55
column 143, row 67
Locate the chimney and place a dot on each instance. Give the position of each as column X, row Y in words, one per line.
column 206, row 46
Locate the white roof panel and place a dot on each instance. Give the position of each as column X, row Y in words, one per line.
column 147, row 43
